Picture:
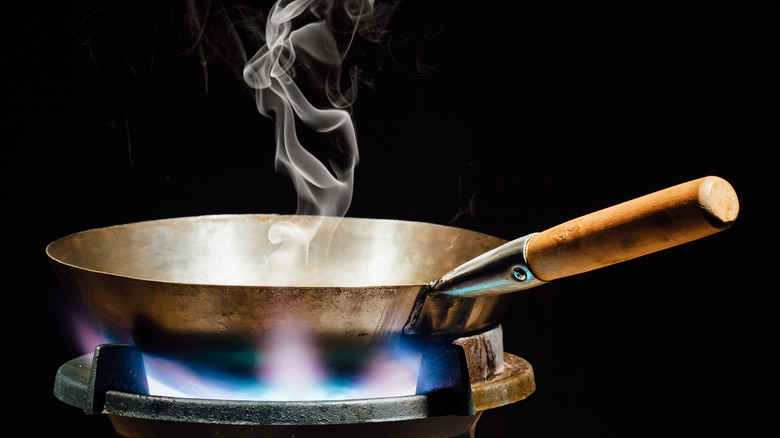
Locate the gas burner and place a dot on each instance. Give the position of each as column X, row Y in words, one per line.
column 458, row 381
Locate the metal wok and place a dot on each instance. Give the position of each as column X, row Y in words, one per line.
column 215, row 282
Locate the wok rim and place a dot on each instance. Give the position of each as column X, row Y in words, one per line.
column 50, row 248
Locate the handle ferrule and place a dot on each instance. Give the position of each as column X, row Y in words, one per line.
column 499, row 271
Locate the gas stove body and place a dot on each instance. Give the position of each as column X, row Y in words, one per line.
column 458, row 380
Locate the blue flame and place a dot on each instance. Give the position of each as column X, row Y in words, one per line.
column 386, row 374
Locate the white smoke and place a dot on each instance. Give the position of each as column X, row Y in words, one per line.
column 304, row 77
column 298, row 82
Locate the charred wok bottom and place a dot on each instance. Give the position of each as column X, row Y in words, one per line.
column 458, row 380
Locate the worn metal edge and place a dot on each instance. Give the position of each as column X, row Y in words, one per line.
column 71, row 381
column 515, row 384
column 240, row 412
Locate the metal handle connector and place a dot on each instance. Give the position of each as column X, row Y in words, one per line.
column 499, row 271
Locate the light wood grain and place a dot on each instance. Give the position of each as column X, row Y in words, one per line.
column 644, row 225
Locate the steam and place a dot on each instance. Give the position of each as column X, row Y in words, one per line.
column 304, row 75
column 299, row 82
column 322, row 188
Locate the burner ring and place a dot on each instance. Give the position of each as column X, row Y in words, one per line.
column 72, row 387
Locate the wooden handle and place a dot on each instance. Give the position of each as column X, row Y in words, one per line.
column 654, row 222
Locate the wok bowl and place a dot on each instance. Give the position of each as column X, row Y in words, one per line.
column 217, row 282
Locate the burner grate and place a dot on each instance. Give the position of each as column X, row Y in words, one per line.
column 112, row 382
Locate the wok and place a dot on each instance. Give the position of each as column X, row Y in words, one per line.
column 216, row 282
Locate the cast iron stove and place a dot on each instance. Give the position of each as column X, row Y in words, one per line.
column 458, row 380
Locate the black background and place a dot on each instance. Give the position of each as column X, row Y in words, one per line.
column 501, row 120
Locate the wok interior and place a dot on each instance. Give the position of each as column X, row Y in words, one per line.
column 236, row 250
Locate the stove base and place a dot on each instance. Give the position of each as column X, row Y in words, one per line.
column 470, row 377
